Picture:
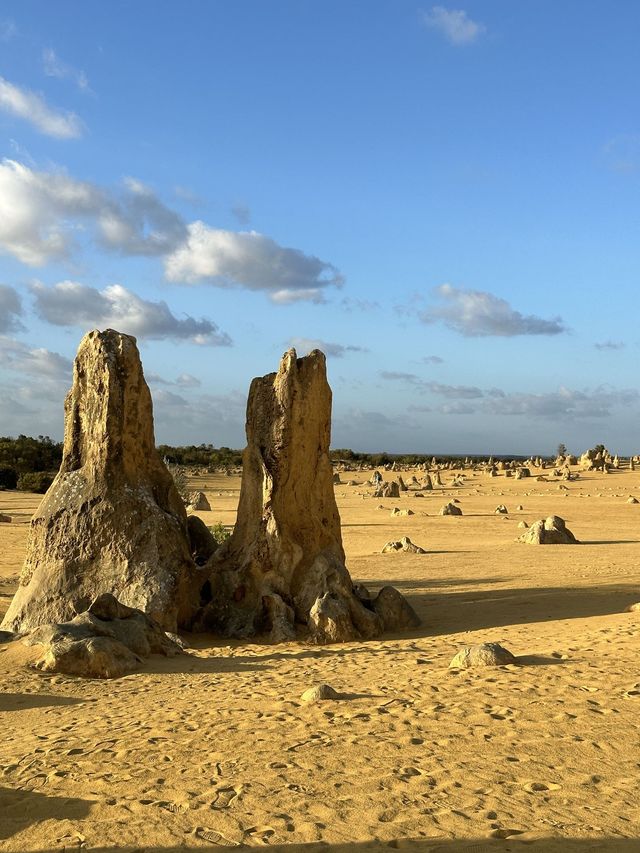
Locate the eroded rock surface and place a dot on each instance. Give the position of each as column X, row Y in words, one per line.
column 282, row 573
column 549, row 531
column 112, row 520
column 484, row 654
column 106, row 641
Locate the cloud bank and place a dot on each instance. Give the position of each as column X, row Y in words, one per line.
column 70, row 303
column 475, row 313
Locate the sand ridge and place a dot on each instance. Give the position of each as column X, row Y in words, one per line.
column 217, row 749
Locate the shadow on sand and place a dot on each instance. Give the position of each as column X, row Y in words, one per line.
column 410, row 845
column 26, row 701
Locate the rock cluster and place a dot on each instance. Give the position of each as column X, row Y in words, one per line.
column 106, row 641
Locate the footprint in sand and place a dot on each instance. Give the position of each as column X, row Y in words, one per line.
column 215, row 837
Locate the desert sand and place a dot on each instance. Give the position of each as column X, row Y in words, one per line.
column 216, row 749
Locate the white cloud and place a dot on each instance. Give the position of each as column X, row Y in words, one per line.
column 475, row 313
column 454, row 24
column 41, row 214
column 10, row 309
column 15, row 355
column 54, row 67
column 331, row 350
column 28, row 105
column 70, row 303
column 249, row 260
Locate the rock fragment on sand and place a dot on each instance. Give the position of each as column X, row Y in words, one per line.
column 320, row 693
column 404, row 544
column 549, row 531
column 633, row 608
column 106, row 641
column 523, row 525
column 5, row 519
column 450, row 509
column 484, row 654
column 501, row 510
column 630, row 500
column 198, row 502
column 397, row 511
column 394, row 610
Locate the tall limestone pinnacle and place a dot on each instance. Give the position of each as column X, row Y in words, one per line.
column 283, row 571
column 112, row 521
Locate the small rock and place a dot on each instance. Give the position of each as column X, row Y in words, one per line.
column 404, row 544
column 501, row 510
column 523, row 524
column 485, row 654
column 450, row 509
column 631, row 500
column 519, row 506
column 397, row 511
column 633, row 608
column 6, row 519
column 319, row 693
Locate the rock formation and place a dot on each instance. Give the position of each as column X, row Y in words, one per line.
column 112, row 520
column 549, row 531
column 404, row 544
column 387, row 490
column 198, row 502
column 106, row 641
column 484, row 654
column 282, row 573
column 450, row 509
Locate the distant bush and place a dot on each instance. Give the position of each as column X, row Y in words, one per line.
column 35, row 481
column 219, row 532
column 8, row 478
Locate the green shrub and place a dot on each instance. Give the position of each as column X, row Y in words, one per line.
column 219, row 532
column 35, row 481
column 8, row 478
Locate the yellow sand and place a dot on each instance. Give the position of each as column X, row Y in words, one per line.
column 215, row 748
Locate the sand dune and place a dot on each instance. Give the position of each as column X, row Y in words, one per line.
column 215, row 748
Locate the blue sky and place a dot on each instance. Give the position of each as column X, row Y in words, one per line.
column 442, row 197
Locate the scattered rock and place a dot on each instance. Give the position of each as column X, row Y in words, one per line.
column 519, row 507
column 549, row 531
column 450, row 509
column 630, row 500
column 394, row 610
column 523, row 524
column 198, row 502
column 404, row 544
column 106, row 641
column 485, row 654
column 5, row 519
column 319, row 693
column 501, row 510
column 397, row 511
column 390, row 489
